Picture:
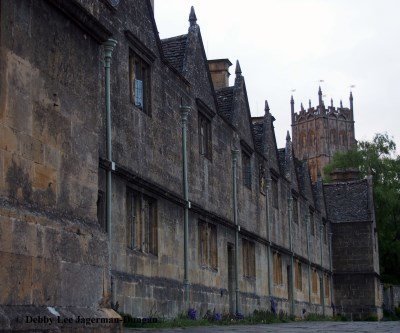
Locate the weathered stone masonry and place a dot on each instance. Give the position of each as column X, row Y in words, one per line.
column 53, row 242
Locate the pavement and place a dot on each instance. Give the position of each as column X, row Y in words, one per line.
column 297, row 327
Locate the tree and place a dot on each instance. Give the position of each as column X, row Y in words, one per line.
column 378, row 158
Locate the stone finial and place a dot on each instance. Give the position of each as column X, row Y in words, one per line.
column 266, row 108
column 331, row 102
column 287, row 136
column 309, row 103
column 341, row 104
column 192, row 17
column 291, row 100
column 351, row 101
column 320, row 96
column 238, row 70
column 302, row 107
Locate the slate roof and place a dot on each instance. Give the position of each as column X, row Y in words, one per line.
column 347, row 201
column 258, row 133
column 174, row 50
column 225, row 102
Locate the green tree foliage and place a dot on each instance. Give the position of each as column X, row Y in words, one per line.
column 378, row 158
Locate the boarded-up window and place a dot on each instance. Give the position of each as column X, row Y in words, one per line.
column 278, row 279
column 314, row 281
column 246, row 169
column 208, row 247
column 295, row 210
column 327, row 285
column 249, row 258
column 205, row 143
column 141, row 220
column 299, row 276
column 274, row 194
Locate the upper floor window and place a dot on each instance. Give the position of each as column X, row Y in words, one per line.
column 208, row 247
column 139, row 81
column 205, row 143
column 246, row 168
column 141, row 222
column 249, row 258
column 295, row 210
column 274, row 194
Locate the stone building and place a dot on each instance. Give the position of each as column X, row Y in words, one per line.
column 95, row 212
column 320, row 131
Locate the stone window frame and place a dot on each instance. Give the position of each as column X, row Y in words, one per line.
column 208, row 245
column 141, row 222
column 249, row 258
column 140, row 54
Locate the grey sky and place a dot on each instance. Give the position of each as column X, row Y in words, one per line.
column 292, row 44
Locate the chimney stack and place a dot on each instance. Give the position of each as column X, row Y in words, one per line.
column 219, row 70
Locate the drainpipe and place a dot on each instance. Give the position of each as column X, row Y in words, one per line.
column 184, row 117
column 330, row 266
column 269, row 235
column 235, row 154
column 322, row 273
column 308, row 257
column 290, row 213
column 109, row 46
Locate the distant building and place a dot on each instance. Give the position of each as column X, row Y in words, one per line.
column 319, row 132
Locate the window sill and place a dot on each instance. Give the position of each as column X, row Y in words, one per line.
column 207, row 268
column 141, row 253
column 249, row 278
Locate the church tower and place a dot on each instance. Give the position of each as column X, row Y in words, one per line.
column 318, row 132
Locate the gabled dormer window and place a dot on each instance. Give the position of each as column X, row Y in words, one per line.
column 246, row 169
column 139, row 81
column 205, row 143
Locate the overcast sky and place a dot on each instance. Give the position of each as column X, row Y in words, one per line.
column 293, row 44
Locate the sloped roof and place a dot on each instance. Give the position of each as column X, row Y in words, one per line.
column 225, row 102
column 347, row 201
column 174, row 49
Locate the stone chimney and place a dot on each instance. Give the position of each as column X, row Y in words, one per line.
column 345, row 175
column 219, row 70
